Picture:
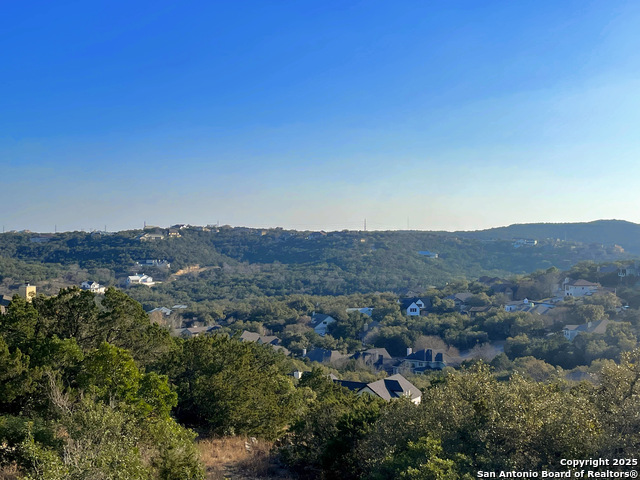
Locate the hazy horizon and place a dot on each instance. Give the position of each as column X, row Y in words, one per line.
column 421, row 115
column 151, row 226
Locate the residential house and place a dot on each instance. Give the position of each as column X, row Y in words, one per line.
column 149, row 237
column 93, row 287
column 420, row 361
column 393, row 387
column 43, row 238
column 154, row 263
column 524, row 242
column 428, row 254
column 474, row 311
column 414, row 306
column 164, row 310
column 539, row 308
column 270, row 340
column 572, row 331
column 628, row 271
column 138, row 279
column 174, row 233
column 579, row 288
column 320, row 323
column 322, row 355
column 460, row 299
column 377, row 357
column 517, row 305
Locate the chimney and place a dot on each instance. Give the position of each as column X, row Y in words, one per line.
column 409, row 351
column 428, row 356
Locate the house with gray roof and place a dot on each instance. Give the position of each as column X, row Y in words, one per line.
column 390, row 388
column 377, row 357
column 320, row 323
column 572, row 331
column 420, row 361
column 323, row 355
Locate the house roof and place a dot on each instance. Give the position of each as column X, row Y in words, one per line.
column 486, row 308
column 323, row 355
column 460, row 297
column 373, row 354
column 591, row 327
column 407, row 302
column 424, row 355
column 249, row 336
column 395, row 386
column 318, row 318
column 270, row 339
column 353, row 386
column 583, row 283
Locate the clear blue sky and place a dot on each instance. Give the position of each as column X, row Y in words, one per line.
column 442, row 114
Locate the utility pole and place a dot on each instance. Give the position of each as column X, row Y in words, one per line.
column 365, row 224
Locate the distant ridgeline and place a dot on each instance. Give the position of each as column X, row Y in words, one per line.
column 607, row 232
column 227, row 263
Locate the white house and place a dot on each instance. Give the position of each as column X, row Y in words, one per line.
column 413, row 306
column 93, row 287
column 579, row 288
column 138, row 279
column 320, row 323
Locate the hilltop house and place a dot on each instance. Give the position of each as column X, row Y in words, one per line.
column 149, row 237
column 93, row 287
column 395, row 386
column 138, row 279
column 153, row 263
column 579, row 288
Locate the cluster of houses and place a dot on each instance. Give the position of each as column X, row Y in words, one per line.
column 413, row 362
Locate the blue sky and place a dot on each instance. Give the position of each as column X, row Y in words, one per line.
column 433, row 114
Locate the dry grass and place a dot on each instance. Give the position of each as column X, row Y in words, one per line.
column 239, row 458
column 9, row 473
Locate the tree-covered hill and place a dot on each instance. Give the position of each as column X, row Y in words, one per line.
column 241, row 262
column 608, row 232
